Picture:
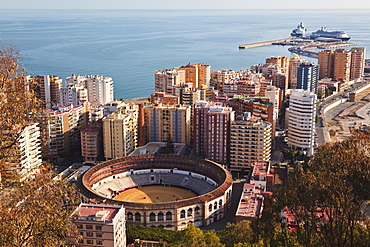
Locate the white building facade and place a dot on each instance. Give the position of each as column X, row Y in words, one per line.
column 301, row 121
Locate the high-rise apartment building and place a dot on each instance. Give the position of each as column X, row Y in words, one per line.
column 199, row 75
column 165, row 80
column 275, row 97
column 99, row 88
column 258, row 106
column 220, row 77
column 164, row 122
column 281, row 61
column 357, row 62
column 301, row 121
column 199, row 127
column 100, row 225
column 73, row 94
column 28, row 158
column 250, row 142
column 308, row 77
column 326, row 64
column 91, row 140
column 293, row 71
column 61, row 129
column 342, row 64
column 48, row 88
column 120, row 132
column 218, row 122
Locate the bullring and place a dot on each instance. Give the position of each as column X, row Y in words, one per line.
column 208, row 180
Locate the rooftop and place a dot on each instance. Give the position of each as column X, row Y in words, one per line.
column 96, row 212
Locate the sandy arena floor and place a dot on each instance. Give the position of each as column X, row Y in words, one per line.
column 154, row 194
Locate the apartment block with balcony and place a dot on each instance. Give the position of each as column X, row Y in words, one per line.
column 120, row 132
column 342, row 64
column 73, row 94
column 217, row 133
column 164, row 122
column 99, row 225
column 301, row 121
column 27, row 158
column 251, row 140
column 61, row 129
column 357, row 62
column 99, row 88
column 91, row 140
column 48, row 88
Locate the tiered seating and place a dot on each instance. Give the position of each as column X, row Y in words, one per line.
column 141, row 179
column 172, row 179
column 199, row 185
column 126, row 182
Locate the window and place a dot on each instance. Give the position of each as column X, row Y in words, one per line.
column 89, row 241
column 210, row 207
column 99, row 235
column 168, row 216
column 98, row 228
column 182, row 214
column 79, row 226
column 160, row 217
column 137, row 217
column 89, row 234
column 89, row 227
column 196, row 210
column 190, row 212
column 130, row 216
column 152, row 217
column 99, row 242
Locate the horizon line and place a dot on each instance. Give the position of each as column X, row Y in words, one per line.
column 184, row 9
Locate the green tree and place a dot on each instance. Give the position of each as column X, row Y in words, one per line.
column 192, row 236
column 212, row 240
column 326, row 197
column 237, row 233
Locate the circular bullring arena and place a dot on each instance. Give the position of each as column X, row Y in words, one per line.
column 164, row 191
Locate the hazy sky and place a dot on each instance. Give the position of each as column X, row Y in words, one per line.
column 184, row 4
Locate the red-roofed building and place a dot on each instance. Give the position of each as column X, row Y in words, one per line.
column 100, row 225
column 251, row 201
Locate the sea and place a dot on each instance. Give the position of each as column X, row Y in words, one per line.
column 130, row 45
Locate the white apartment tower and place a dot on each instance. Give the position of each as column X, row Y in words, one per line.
column 99, row 88
column 73, row 94
column 301, row 121
column 28, row 156
column 120, row 132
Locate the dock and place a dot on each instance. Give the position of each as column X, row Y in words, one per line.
column 263, row 43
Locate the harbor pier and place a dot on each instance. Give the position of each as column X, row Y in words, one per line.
column 263, row 43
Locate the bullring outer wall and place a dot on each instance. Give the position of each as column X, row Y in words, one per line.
column 201, row 210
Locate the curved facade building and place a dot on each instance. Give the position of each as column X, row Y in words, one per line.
column 301, row 121
column 208, row 180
